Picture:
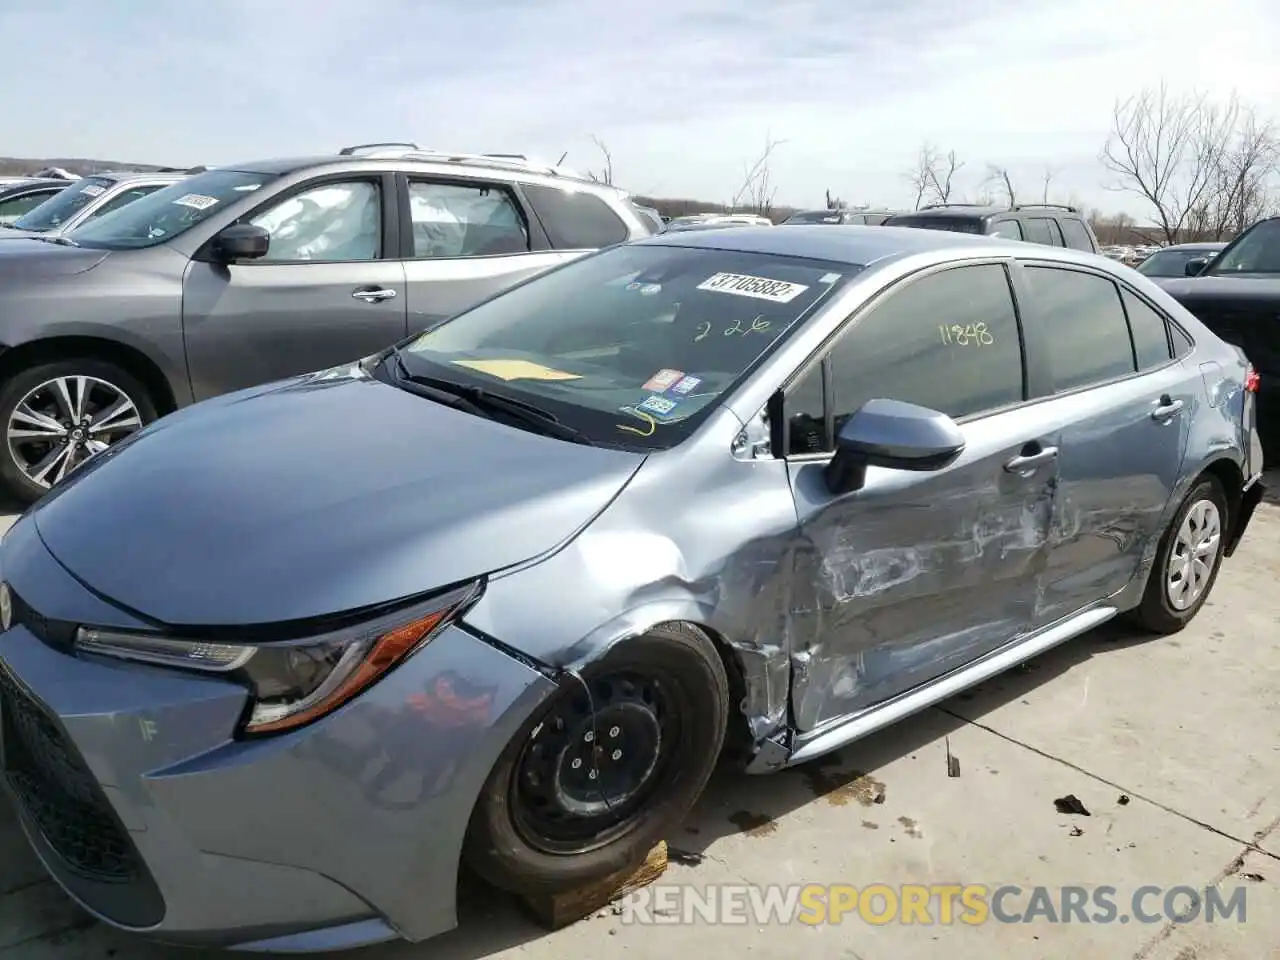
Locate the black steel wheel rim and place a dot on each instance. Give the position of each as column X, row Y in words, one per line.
column 584, row 777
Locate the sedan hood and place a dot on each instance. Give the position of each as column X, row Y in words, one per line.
column 317, row 496
column 28, row 258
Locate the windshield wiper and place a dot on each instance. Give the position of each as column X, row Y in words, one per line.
column 484, row 403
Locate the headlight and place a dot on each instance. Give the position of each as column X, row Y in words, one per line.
column 295, row 682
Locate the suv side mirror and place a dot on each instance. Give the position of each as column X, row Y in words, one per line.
column 241, row 241
column 893, row 434
column 1195, row 267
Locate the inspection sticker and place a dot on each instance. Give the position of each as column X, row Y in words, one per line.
column 662, row 380
column 196, row 201
column 685, row 385
column 759, row 288
column 660, row 407
column 93, row 190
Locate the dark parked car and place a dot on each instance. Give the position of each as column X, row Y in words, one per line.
column 85, row 200
column 1172, row 261
column 20, row 197
column 1054, row 225
column 1237, row 296
column 256, row 271
column 867, row 217
column 501, row 594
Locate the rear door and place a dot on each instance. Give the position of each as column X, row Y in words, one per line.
column 1122, row 403
column 331, row 288
column 465, row 239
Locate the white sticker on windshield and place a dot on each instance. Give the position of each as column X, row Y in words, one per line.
column 93, row 190
column 758, row 288
column 196, row 201
column 248, row 187
column 829, row 278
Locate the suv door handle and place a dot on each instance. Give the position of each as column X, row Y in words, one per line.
column 1029, row 461
column 374, row 294
column 1168, row 407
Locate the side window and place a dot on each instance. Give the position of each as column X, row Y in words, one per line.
column 575, row 220
column 1090, row 334
column 1149, row 330
column 1043, row 229
column 124, row 199
column 1076, row 234
column 456, row 220
column 806, row 423
column 334, row 222
column 1182, row 342
column 14, row 207
column 1009, row 229
column 948, row 341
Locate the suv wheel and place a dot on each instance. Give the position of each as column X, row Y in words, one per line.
column 57, row 415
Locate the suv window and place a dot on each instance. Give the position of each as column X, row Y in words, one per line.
column 1149, row 330
column 1091, row 341
column 575, row 220
column 123, row 199
column 948, row 341
column 333, row 222
column 1009, row 229
column 456, row 220
column 1076, row 234
column 14, row 207
column 1040, row 230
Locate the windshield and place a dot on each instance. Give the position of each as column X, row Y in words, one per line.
column 1172, row 263
column 815, row 216
column 166, row 213
column 1255, row 251
column 951, row 224
column 633, row 346
column 64, row 205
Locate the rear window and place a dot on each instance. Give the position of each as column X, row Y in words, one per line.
column 1076, row 234
column 950, row 224
column 575, row 220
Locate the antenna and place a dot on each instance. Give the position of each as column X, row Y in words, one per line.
column 560, row 162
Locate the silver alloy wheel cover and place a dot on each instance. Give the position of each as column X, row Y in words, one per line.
column 1193, row 555
column 92, row 413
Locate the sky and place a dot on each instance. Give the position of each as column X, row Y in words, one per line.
column 685, row 93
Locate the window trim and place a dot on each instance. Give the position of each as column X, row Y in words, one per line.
column 389, row 241
column 536, row 236
column 821, row 358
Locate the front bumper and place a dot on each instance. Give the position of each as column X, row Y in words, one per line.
column 144, row 809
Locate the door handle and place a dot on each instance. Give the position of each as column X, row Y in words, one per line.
column 1029, row 461
column 1168, row 407
column 374, row 294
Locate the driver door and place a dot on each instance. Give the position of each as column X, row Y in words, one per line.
column 916, row 574
column 331, row 289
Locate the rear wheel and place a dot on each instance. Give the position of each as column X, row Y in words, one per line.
column 58, row 415
column 604, row 770
column 1187, row 563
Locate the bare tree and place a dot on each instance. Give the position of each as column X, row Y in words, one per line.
column 834, row 203
column 934, row 175
column 1244, row 152
column 758, row 190
column 999, row 176
column 1164, row 149
column 605, row 174
column 1046, row 180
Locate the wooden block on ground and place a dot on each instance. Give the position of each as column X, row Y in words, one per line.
column 560, row 910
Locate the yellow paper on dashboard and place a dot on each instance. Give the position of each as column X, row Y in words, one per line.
column 516, row 370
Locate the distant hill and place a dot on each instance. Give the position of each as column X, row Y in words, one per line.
column 23, row 166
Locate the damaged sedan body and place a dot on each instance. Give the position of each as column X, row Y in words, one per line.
column 503, row 594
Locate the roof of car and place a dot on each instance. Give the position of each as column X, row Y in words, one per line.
column 283, row 166
column 1199, row 245
column 843, row 243
column 30, row 182
column 122, row 175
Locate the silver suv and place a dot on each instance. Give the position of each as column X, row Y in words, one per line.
column 87, row 199
column 252, row 272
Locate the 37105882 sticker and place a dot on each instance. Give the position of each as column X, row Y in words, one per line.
column 758, row 288
column 196, row 201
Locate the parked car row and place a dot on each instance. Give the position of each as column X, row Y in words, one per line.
column 505, row 591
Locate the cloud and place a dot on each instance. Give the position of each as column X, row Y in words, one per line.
column 684, row 91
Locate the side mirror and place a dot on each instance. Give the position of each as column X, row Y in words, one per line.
column 1194, row 268
column 892, row 434
column 241, row 241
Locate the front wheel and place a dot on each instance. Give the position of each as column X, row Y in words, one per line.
column 1187, row 563
column 59, row 414
column 605, row 768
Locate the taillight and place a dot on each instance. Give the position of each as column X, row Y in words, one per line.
column 1252, row 382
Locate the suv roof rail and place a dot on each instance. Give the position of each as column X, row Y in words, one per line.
column 499, row 161
column 355, row 148
column 1045, row 206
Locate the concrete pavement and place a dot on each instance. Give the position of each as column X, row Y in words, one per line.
column 1172, row 744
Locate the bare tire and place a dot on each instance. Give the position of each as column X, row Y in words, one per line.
column 578, row 796
column 57, row 415
column 1187, row 562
